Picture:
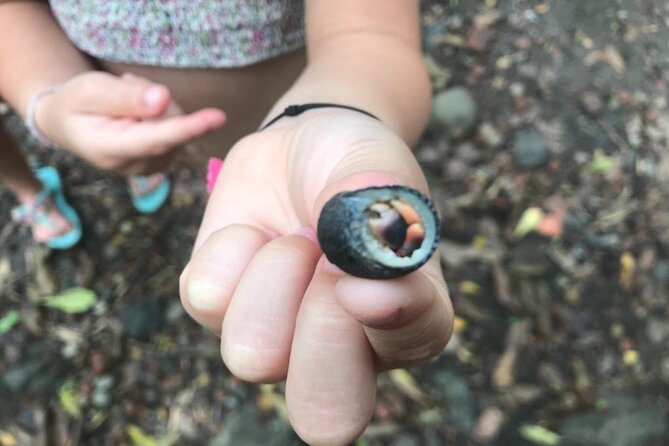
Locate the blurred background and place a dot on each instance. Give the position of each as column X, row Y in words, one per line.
column 547, row 156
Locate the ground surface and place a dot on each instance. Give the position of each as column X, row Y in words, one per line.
column 548, row 160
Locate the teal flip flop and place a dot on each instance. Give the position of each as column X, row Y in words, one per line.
column 149, row 201
column 34, row 211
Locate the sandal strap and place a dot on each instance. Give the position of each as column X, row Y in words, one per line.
column 34, row 210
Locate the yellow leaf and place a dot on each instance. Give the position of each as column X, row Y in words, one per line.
column 627, row 270
column 271, row 399
column 631, row 357
column 407, row 385
column 528, row 222
column 7, row 439
column 469, row 287
column 459, row 324
column 479, row 242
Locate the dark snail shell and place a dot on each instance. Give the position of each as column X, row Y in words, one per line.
column 379, row 232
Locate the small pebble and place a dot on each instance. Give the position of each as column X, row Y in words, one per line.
column 530, row 149
column 591, row 103
column 456, row 109
column 490, row 135
column 100, row 398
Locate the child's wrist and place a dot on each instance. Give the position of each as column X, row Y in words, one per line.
column 33, row 116
column 298, row 109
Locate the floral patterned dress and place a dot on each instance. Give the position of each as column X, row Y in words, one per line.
column 183, row 33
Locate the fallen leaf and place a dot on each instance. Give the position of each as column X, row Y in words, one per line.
column 7, row 439
column 528, row 222
column 489, row 424
column 469, row 287
column 9, row 320
column 96, row 420
column 407, row 385
column 139, row 438
column 630, row 357
column 611, row 56
column 542, row 8
column 459, row 324
column 69, row 400
column 539, row 435
column 75, row 300
column 503, row 374
column 271, row 399
column 627, row 270
column 601, row 163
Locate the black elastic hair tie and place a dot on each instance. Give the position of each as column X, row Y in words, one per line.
column 294, row 110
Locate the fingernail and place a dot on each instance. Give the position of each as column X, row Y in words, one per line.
column 308, row 232
column 213, row 169
column 153, row 95
column 202, row 294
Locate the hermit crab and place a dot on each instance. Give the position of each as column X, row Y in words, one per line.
column 379, row 232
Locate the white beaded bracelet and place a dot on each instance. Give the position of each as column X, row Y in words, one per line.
column 30, row 118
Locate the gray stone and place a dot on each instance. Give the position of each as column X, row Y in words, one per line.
column 100, row 398
column 627, row 420
column 456, row 109
column 245, row 427
column 457, row 396
column 530, row 149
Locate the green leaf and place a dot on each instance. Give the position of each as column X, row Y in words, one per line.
column 539, row 435
column 8, row 321
column 69, row 400
column 96, row 420
column 528, row 222
column 139, row 438
column 74, row 300
column 601, row 164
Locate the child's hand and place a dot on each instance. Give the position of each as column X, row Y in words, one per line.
column 127, row 124
column 258, row 277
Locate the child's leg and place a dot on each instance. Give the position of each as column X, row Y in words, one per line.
column 14, row 171
column 16, row 174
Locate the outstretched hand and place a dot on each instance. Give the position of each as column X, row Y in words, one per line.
column 259, row 279
column 127, row 124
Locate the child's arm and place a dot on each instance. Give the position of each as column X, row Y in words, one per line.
column 114, row 123
column 257, row 276
column 366, row 54
column 34, row 51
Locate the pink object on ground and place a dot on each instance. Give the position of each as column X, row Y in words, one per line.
column 551, row 226
column 213, row 169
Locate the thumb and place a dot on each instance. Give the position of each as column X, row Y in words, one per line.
column 408, row 316
column 129, row 97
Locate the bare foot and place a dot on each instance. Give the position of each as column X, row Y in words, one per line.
column 45, row 219
column 140, row 185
